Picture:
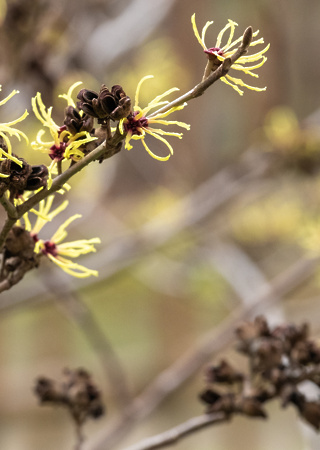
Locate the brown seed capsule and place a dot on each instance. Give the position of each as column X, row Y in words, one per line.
column 250, row 406
column 114, row 104
column 77, row 392
column 75, row 122
column 223, row 373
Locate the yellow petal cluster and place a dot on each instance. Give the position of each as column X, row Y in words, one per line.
column 60, row 137
column 7, row 129
column 228, row 49
column 141, row 120
column 62, row 251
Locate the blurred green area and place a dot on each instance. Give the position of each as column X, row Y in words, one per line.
column 155, row 303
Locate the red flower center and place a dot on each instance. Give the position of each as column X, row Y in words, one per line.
column 57, row 153
column 213, row 52
column 50, row 248
column 133, row 125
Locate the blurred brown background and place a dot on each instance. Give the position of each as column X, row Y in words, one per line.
column 177, row 257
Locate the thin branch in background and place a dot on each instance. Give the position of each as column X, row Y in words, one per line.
column 78, row 393
column 80, row 438
column 179, row 432
column 213, row 342
column 184, row 214
column 240, row 271
column 77, row 311
column 227, row 258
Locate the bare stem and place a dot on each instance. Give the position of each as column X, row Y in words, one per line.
column 79, row 436
column 6, row 228
column 8, row 206
column 78, row 312
column 175, row 434
column 198, row 90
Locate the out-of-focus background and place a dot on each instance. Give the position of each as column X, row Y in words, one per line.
column 185, row 242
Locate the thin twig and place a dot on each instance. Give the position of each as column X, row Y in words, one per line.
column 240, row 271
column 77, row 311
column 184, row 214
column 175, row 434
column 8, row 206
column 6, row 228
column 80, row 437
column 82, row 316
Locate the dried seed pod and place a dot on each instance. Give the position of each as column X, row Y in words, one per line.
column 209, row 396
column 252, row 407
column 38, row 177
column 280, row 359
column 114, row 104
column 77, row 392
column 76, row 123
column 223, row 373
column 19, row 243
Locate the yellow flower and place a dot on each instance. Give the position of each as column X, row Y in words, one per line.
column 64, row 145
column 219, row 53
column 137, row 124
column 68, row 95
column 57, row 251
column 6, row 128
column 44, row 214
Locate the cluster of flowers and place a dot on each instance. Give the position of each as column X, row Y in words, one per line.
column 219, row 53
column 72, row 141
column 280, row 361
column 77, row 136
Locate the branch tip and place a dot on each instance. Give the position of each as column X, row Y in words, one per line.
column 247, row 37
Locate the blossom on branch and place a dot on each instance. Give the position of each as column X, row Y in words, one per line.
column 138, row 123
column 219, row 53
column 64, row 145
column 5, row 129
column 55, row 249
